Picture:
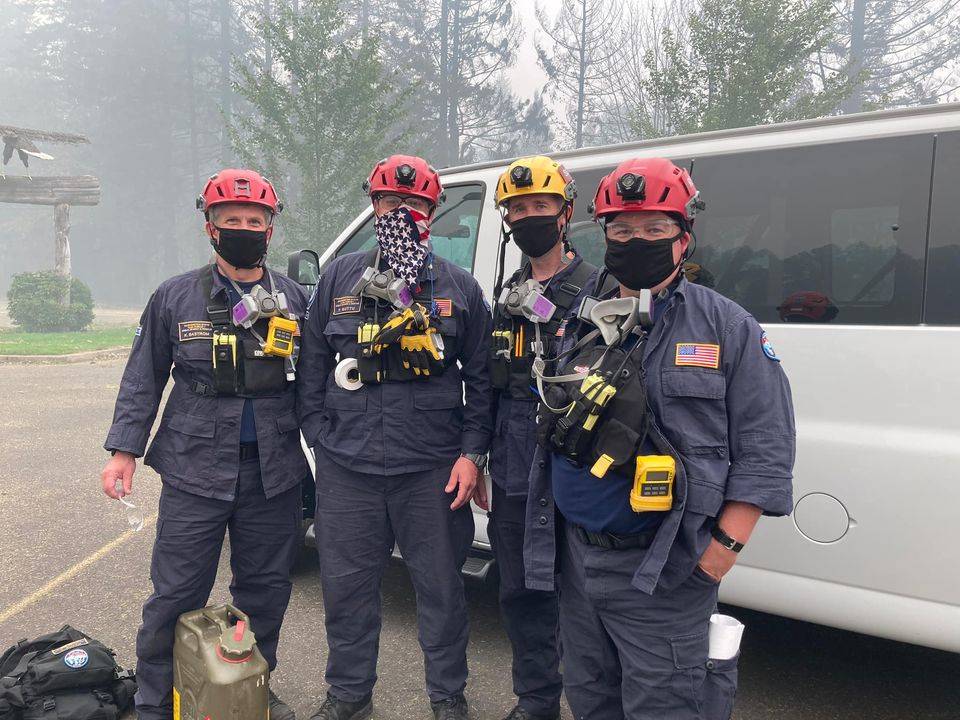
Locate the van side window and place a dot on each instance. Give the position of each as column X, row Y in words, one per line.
column 942, row 305
column 829, row 233
column 453, row 232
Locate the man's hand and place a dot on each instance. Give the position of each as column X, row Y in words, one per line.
column 463, row 479
column 121, row 466
column 480, row 494
column 716, row 560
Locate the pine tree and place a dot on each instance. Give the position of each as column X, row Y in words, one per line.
column 317, row 124
column 745, row 62
column 576, row 56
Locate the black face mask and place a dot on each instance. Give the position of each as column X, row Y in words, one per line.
column 536, row 235
column 641, row 264
column 241, row 248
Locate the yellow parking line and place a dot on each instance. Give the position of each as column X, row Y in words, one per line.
column 72, row 572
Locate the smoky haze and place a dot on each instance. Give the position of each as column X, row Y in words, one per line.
column 313, row 92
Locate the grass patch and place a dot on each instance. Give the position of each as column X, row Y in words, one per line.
column 16, row 342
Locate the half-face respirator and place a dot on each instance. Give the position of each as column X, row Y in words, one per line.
column 383, row 285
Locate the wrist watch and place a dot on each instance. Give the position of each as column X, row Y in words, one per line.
column 728, row 542
column 479, row 460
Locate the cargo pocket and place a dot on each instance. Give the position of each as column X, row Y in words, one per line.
column 440, row 414
column 287, row 422
column 191, row 444
column 689, row 662
column 694, row 404
column 720, row 688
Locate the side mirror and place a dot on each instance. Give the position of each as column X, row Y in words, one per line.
column 303, row 266
column 460, row 231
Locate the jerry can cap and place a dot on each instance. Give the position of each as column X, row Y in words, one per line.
column 237, row 642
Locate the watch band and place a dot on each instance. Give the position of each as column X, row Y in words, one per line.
column 728, row 542
column 479, row 460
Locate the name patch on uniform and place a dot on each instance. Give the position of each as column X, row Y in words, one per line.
column 697, row 355
column 346, row 304
column 195, row 330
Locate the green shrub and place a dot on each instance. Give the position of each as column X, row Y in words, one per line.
column 36, row 302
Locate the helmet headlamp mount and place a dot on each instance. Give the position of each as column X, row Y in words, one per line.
column 521, row 176
column 406, row 174
column 632, row 187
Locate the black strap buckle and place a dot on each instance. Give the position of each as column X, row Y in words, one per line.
column 592, row 538
column 570, row 289
column 202, row 389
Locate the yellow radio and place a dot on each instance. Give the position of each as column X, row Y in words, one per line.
column 280, row 334
column 653, row 483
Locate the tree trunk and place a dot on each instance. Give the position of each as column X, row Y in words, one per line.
column 267, row 46
column 858, row 23
column 445, row 161
column 192, row 101
column 583, row 72
column 226, row 91
column 453, row 85
column 61, row 245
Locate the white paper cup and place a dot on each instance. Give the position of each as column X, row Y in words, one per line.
column 725, row 634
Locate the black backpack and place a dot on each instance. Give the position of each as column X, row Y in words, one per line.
column 65, row 675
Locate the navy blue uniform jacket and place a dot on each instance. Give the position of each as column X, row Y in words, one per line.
column 515, row 427
column 397, row 427
column 731, row 427
column 196, row 447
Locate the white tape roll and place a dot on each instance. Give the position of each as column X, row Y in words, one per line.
column 346, row 375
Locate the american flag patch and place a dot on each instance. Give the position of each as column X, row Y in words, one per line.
column 697, row 355
column 444, row 307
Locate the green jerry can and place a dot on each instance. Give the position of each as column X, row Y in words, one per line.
column 218, row 672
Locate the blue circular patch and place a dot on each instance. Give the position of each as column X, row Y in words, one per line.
column 768, row 347
column 76, row 659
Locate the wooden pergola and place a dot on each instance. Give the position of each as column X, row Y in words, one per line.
column 59, row 192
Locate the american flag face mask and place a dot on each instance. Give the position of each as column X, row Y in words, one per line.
column 404, row 239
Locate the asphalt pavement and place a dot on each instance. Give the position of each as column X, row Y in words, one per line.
column 67, row 556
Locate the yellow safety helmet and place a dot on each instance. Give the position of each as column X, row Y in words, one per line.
column 535, row 175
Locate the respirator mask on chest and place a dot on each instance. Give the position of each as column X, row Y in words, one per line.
column 527, row 300
column 383, row 285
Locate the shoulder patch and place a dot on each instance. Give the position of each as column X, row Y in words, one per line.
column 346, row 305
column 697, row 355
column 767, row 347
column 195, row 330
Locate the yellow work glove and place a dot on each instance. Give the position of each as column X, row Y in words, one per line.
column 400, row 322
column 417, row 351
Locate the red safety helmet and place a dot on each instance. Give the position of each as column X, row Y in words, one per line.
column 238, row 186
column 648, row 184
column 807, row 306
column 405, row 175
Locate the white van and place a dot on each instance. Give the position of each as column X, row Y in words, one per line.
column 842, row 236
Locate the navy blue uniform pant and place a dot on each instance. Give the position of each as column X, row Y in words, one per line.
column 630, row 655
column 359, row 517
column 264, row 539
column 529, row 616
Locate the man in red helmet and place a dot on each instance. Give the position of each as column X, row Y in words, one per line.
column 227, row 449
column 394, row 396
column 668, row 431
